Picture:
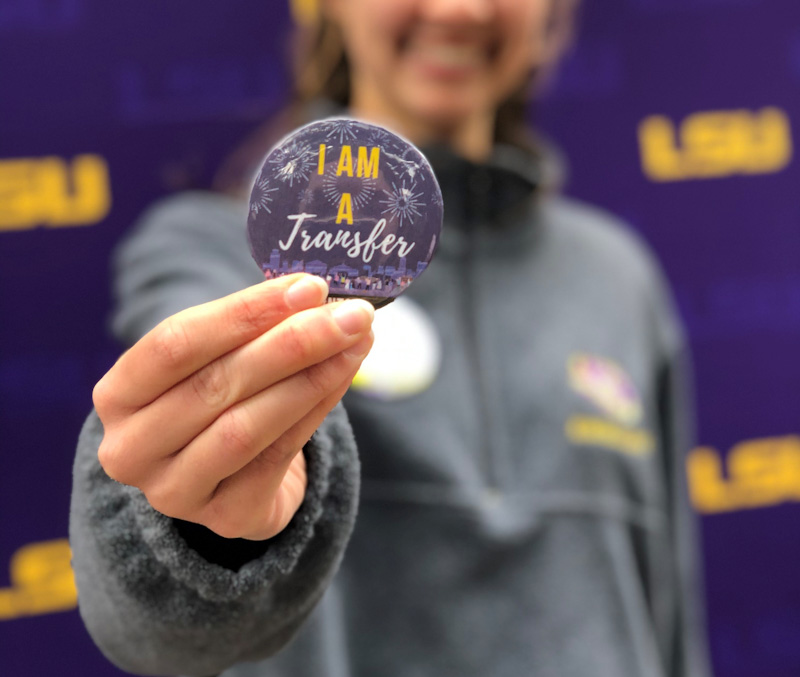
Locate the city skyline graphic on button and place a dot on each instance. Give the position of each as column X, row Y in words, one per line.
column 350, row 202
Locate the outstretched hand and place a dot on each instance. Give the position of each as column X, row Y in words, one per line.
column 208, row 412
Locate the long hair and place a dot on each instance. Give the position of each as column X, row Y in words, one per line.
column 321, row 72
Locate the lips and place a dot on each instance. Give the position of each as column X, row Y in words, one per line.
column 447, row 58
column 449, row 55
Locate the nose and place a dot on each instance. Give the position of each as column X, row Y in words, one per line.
column 457, row 11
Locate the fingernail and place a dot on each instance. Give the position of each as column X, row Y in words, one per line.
column 353, row 316
column 360, row 348
column 306, row 292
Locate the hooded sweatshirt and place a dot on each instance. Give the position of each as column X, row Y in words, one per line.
column 517, row 507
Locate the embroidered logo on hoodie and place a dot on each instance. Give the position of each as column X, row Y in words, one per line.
column 606, row 385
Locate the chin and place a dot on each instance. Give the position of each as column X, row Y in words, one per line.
column 446, row 110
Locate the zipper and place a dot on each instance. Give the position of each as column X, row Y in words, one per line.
column 469, row 308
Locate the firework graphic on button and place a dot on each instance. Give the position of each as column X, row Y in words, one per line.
column 350, row 202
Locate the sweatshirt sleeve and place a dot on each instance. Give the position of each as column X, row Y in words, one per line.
column 151, row 601
column 185, row 250
column 684, row 643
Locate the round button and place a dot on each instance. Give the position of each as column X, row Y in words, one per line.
column 350, row 202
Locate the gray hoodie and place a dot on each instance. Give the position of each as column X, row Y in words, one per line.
column 523, row 514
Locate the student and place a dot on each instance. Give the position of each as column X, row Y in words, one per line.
column 523, row 514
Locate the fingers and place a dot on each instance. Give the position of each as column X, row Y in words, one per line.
column 238, row 507
column 173, row 420
column 264, row 431
column 187, row 341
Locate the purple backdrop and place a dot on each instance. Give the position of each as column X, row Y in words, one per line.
column 676, row 114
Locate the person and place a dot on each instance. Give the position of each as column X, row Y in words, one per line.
column 521, row 510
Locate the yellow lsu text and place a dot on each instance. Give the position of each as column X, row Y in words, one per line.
column 594, row 431
column 53, row 192
column 760, row 473
column 715, row 144
column 41, row 581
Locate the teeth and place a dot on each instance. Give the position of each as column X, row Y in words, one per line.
column 451, row 55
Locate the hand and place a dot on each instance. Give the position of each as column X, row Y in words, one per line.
column 208, row 412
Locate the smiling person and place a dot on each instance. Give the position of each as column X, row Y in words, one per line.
column 521, row 501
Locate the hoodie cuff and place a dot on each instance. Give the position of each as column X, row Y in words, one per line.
column 122, row 516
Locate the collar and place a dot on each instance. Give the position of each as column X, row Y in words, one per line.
column 497, row 195
column 485, row 194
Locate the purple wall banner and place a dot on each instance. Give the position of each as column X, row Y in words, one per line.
column 681, row 116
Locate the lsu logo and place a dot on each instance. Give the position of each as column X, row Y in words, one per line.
column 41, row 581
column 715, row 144
column 52, row 192
column 600, row 432
column 606, row 385
column 760, row 473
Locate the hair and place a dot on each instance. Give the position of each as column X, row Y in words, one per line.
column 321, row 71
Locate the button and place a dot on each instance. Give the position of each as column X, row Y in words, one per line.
column 350, row 202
